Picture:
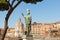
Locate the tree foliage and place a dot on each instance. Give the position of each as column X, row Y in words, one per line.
column 4, row 5
column 32, row 1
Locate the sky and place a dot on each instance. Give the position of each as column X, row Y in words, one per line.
column 47, row 11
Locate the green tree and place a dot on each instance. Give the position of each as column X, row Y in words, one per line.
column 11, row 9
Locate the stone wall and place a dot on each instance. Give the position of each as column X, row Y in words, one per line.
column 49, row 38
column 14, row 38
column 11, row 38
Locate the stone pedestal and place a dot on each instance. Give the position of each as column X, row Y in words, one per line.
column 28, row 38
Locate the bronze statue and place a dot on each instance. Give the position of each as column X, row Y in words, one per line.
column 27, row 22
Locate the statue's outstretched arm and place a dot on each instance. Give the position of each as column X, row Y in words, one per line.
column 22, row 14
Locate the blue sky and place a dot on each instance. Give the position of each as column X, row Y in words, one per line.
column 47, row 11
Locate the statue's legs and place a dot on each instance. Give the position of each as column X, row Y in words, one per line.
column 28, row 29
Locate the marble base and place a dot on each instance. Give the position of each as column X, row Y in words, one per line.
column 28, row 37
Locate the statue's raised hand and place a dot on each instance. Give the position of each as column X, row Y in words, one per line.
column 22, row 14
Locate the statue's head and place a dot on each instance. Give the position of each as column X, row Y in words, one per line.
column 28, row 12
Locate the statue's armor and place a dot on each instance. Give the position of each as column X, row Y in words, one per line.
column 27, row 19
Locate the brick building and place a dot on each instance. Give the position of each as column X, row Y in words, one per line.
column 38, row 29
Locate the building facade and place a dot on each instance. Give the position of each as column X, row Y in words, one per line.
column 37, row 30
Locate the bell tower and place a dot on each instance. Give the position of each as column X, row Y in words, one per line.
column 19, row 29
